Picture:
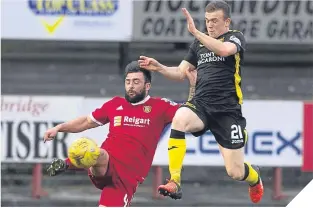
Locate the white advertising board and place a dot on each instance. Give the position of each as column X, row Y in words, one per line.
column 24, row 120
column 101, row 20
column 275, row 137
column 274, row 128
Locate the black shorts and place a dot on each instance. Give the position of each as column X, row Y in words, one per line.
column 228, row 126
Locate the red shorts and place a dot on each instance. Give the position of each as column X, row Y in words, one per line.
column 117, row 187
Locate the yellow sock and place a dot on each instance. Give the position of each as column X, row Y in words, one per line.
column 176, row 154
column 251, row 176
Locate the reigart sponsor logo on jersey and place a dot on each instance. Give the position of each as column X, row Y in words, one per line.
column 117, row 120
column 134, row 121
column 53, row 12
column 131, row 121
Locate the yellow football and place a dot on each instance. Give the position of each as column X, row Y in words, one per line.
column 83, row 153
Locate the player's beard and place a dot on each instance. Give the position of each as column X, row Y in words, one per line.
column 137, row 98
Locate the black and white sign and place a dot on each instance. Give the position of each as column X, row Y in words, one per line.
column 24, row 121
column 274, row 21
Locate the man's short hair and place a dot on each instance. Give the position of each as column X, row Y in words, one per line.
column 218, row 5
column 134, row 67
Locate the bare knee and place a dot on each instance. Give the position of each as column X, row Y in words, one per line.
column 101, row 166
column 103, row 158
column 236, row 171
column 180, row 123
column 186, row 120
column 234, row 162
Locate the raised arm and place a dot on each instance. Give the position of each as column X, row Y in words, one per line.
column 97, row 118
column 73, row 126
column 227, row 48
column 177, row 73
column 77, row 125
column 192, row 77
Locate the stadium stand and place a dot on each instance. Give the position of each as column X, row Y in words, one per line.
column 92, row 69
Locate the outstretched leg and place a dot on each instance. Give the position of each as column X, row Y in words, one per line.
column 84, row 154
column 185, row 120
column 243, row 171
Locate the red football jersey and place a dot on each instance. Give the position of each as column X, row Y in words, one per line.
column 135, row 130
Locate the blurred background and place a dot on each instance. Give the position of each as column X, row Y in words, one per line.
column 80, row 48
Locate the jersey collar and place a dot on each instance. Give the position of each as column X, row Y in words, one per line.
column 143, row 101
column 223, row 34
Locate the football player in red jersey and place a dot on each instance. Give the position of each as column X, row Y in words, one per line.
column 136, row 124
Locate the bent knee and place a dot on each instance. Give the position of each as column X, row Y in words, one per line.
column 101, row 166
column 103, row 158
column 236, row 173
column 186, row 120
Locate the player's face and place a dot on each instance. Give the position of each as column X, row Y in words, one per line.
column 216, row 24
column 136, row 89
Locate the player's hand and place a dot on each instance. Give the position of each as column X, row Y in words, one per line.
column 190, row 23
column 50, row 134
column 192, row 76
column 149, row 63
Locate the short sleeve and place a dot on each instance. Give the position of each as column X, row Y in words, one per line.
column 101, row 115
column 238, row 39
column 191, row 56
column 170, row 109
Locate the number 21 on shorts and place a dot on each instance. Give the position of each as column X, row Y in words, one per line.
column 236, row 132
